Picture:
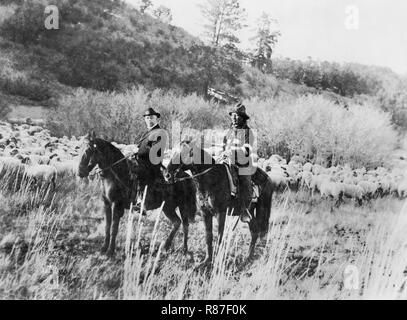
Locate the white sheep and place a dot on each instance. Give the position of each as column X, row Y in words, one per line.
column 305, row 179
column 402, row 189
column 307, row 167
column 66, row 167
column 353, row 191
column 317, row 169
column 317, row 181
column 279, row 177
column 331, row 189
column 369, row 187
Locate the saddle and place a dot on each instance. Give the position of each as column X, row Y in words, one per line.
column 233, row 175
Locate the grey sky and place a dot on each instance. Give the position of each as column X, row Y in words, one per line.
column 316, row 28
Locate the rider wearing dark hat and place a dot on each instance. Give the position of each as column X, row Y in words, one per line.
column 149, row 138
column 238, row 144
column 150, row 150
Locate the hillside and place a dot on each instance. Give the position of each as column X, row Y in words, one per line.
column 109, row 46
column 102, row 45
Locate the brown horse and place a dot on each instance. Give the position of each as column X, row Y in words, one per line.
column 214, row 196
column 115, row 177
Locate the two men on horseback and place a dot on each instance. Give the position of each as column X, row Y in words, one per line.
column 237, row 148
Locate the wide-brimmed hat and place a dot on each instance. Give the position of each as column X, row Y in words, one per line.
column 151, row 112
column 240, row 110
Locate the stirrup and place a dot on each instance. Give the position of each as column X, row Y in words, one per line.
column 137, row 207
column 248, row 214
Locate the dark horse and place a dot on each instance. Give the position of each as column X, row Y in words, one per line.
column 214, row 196
column 115, row 176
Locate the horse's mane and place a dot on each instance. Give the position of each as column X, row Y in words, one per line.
column 103, row 144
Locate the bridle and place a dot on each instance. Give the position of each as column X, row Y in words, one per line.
column 94, row 149
column 192, row 176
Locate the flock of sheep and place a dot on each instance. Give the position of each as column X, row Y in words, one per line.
column 30, row 152
column 33, row 152
column 337, row 182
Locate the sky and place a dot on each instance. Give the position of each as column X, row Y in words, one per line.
column 372, row 32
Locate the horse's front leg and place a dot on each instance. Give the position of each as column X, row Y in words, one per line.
column 209, row 237
column 108, row 222
column 118, row 211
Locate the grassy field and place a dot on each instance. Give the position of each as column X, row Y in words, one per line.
column 49, row 249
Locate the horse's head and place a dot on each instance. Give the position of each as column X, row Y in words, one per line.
column 190, row 157
column 91, row 156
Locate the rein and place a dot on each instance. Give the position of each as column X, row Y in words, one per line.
column 109, row 167
column 194, row 176
column 114, row 173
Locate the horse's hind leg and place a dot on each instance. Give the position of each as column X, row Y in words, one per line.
column 118, row 211
column 255, row 235
column 108, row 222
column 209, row 237
column 185, row 227
column 175, row 226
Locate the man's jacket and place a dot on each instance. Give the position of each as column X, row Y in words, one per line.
column 147, row 141
column 238, row 142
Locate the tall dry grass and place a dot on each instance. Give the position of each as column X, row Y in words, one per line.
column 280, row 272
column 50, row 250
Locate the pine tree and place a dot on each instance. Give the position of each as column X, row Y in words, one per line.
column 265, row 39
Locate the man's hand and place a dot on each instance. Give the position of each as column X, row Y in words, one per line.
column 223, row 157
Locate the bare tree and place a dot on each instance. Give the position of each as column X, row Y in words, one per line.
column 142, row 5
column 224, row 19
column 163, row 13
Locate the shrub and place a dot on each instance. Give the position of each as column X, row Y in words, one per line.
column 118, row 116
column 6, row 11
column 254, row 83
column 319, row 130
column 311, row 126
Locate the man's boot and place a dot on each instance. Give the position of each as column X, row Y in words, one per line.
column 245, row 198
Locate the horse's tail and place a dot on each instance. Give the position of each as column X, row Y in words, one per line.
column 263, row 206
